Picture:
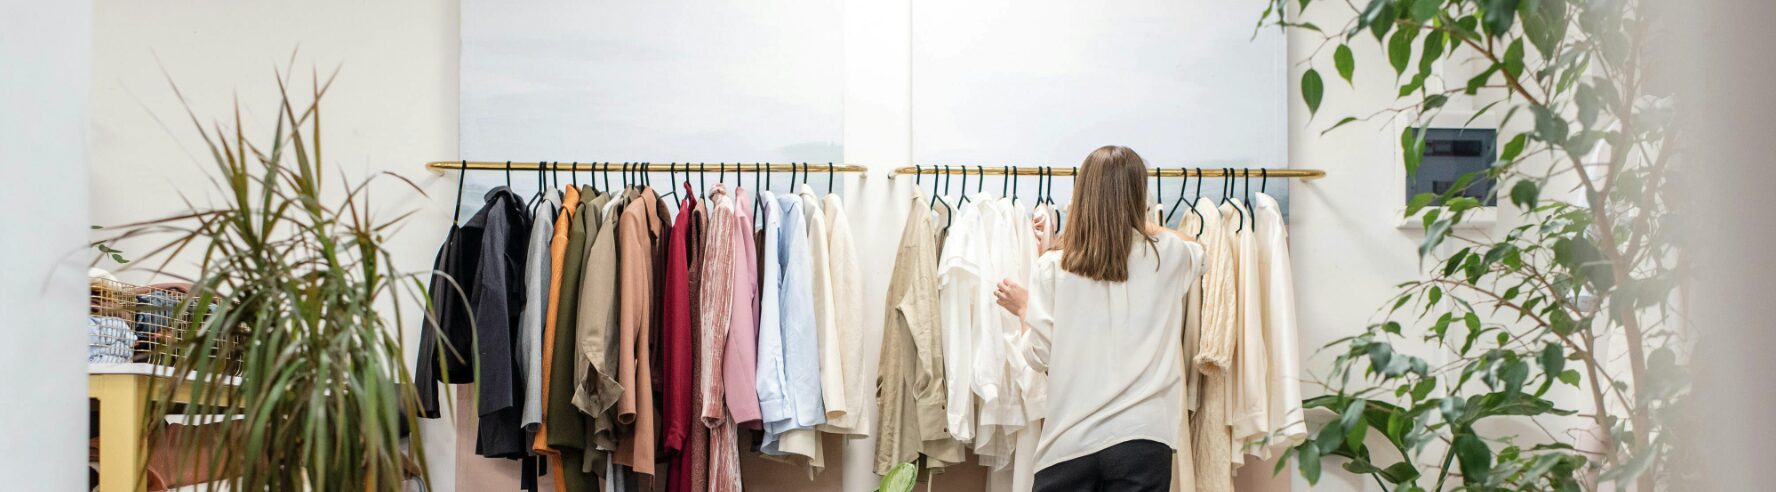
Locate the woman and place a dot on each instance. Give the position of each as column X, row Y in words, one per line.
column 1104, row 318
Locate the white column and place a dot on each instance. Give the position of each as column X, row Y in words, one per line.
column 45, row 48
column 878, row 132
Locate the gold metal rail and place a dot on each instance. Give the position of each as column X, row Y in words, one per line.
column 1165, row 172
column 652, row 167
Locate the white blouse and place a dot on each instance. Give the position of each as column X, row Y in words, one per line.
column 1111, row 347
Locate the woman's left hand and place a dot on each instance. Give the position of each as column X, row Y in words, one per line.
column 1012, row 297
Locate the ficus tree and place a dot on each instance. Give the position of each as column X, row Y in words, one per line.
column 1519, row 316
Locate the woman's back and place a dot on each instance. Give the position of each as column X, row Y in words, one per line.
column 1110, row 348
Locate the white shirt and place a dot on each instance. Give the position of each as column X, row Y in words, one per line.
column 1287, row 423
column 1111, row 348
column 960, row 274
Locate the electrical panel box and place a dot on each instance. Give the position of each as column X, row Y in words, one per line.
column 1451, row 153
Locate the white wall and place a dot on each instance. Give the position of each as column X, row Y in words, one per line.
column 392, row 108
column 44, row 49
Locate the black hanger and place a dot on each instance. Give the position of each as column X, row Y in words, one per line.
column 542, row 182
column 805, row 168
column 1226, row 193
column 1183, row 186
column 508, row 174
column 829, row 178
column 1159, row 193
column 964, row 199
column 461, row 178
column 1005, row 189
column 1051, row 201
column 672, row 181
column 1248, row 204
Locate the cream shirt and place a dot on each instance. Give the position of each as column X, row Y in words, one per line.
column 847, row 290
column 1110, row 348
column 1249, row 410
column 1287, row 423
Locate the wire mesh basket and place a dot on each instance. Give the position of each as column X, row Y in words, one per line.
column 146, row 324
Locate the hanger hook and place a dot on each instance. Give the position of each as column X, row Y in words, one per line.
column 830, row 178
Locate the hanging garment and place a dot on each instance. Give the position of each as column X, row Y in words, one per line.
column 677, row 349
column 793, row 410
column 1288, row 426
column 910, row 383
column 1213, row 446
column 1030, row 384
column 826, row 316
column 675, row 334
column 449, row 319
column 1183, row 464
column 1249, row 416
column 847, row 282
column 721, row 257
column 997, row 366
column 536, row 302
column 694, row 476
column 639, row 236
column 551, row 317
column 596, row 389
column 567, row 425
column 961, row 270
column 740, row 354
column 497, row 299
column 1109, row 348
column 729, row 313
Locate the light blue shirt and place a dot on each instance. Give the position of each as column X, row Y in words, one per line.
column 789, row 347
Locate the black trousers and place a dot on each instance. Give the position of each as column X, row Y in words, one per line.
column 1134, row 466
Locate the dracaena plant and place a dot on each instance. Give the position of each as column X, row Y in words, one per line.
column 293, row 360
column 1502, row 325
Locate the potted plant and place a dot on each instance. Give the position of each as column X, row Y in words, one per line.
column 1516, row 317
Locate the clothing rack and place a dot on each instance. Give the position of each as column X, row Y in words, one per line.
column 652, row 167
column 1164, row 172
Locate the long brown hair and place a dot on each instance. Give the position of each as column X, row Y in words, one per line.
column 1109, row 211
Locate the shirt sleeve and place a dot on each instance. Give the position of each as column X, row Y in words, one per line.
column 1039, row 315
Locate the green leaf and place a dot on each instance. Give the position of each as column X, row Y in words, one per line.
column 1550, row 127
column 1433, row 102
column 1553, row 359
column 1346, row 63
column 1514, row 374
column 1399, row 473
column 1309, row 462
column 1570, row 376
column 1412, row 148
column 1433, row 237
column 1513, row 60
column 1475, row 458
column 1312, row 89
column 901, row 478
column 1499, row 14
column 1441, row 327
column 1525, row 194
column 1474, row 84
column 1400, row 50
column 1423, row 389
column 1379, row 18
column 1433, row 50
column 1514, row 147
column 1418, row 202
column 1345, row 121
column 1424, row 10
column 1355, row 433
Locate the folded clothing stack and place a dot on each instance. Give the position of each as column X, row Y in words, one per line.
column 109, row 339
